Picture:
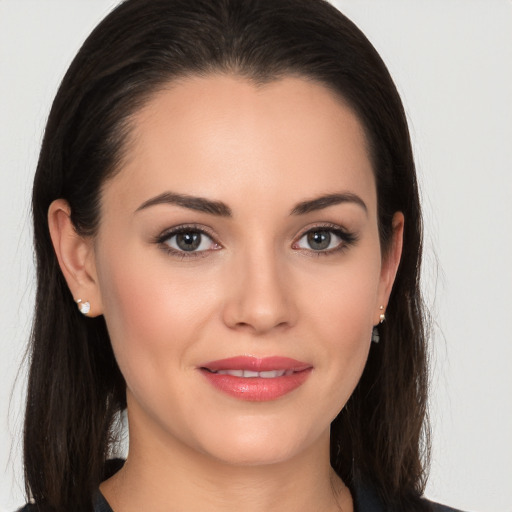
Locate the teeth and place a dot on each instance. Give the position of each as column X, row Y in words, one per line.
column 235, row 373
column 271, row 374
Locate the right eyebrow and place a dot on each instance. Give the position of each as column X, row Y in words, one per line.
column 319, row 203
column 191, row 202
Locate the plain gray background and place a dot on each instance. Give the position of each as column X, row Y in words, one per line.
column 452, row 62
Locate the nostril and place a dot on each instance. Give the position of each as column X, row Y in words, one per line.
column 259, row 304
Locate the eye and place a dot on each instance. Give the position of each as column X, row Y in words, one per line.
column 323, row 239
column 188, row 240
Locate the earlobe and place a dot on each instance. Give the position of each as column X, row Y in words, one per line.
column 391, row 261
column 75, row 255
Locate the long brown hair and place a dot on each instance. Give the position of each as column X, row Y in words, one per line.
column 75, row 388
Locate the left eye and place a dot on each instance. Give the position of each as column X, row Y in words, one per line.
column 320, row 240
column 190, row 241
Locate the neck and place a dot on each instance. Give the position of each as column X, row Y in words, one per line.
column 168, row 476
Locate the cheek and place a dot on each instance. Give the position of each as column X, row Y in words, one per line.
column 152, row 314
column 344, row 299
column 341, row 315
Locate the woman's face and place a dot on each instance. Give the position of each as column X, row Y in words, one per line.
column 240, row 236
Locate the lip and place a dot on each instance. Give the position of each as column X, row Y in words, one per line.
column 256, row 389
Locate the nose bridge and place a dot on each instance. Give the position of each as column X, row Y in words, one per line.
column 260, row 297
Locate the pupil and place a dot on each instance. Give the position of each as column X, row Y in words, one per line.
column 319, row 240
column 188, row 241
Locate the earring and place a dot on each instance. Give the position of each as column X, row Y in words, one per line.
column 375, row 332
column 84, row 307
column 382, row 316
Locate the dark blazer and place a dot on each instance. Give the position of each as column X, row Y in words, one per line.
column 366, row 500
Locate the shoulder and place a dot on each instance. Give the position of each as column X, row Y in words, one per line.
column 366, row 499
column 99, row 503
column 437, row 507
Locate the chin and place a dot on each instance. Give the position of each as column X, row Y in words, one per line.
column 255, row 454
column 259, row 442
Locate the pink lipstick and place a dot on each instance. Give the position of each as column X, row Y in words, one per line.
column 254, row 379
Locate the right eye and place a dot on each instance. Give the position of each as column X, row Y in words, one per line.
column 188, row 241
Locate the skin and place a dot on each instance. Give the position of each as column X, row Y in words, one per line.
column 257, row 288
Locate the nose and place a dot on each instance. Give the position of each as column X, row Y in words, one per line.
column 260, row 295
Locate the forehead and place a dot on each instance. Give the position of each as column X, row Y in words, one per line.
column 224, row 137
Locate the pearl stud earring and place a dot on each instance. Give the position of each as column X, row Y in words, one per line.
column 382, row 316
column 84, row 307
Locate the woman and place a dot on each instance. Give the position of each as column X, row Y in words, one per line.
column 224, row 190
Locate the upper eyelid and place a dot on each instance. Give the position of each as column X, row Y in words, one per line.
column 210, row 231
column 327, row 226
column 347, row 236
column 169, row 232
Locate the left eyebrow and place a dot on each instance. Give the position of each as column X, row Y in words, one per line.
column 191, row 202
column 319, row 203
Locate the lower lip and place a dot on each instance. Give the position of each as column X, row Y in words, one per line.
column 257, row 389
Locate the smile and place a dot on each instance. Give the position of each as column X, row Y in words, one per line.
column 254, row 379
column 249, row 374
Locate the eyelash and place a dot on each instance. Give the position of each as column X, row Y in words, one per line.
column 187, row 228
column 347, row 239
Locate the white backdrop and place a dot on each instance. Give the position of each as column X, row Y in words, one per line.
column 452, row 62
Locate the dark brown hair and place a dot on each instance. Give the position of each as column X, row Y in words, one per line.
column 75, row 388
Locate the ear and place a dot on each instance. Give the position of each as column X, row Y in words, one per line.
column 390, row 263
column 75, row 255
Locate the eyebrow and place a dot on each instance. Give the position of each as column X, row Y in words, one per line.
column 191, row 202
column 327, row 200
column 223, row 210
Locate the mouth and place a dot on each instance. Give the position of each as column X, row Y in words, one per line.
column 249, row 374
column 254, row 379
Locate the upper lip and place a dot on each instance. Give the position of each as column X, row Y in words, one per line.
column 256, row 364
